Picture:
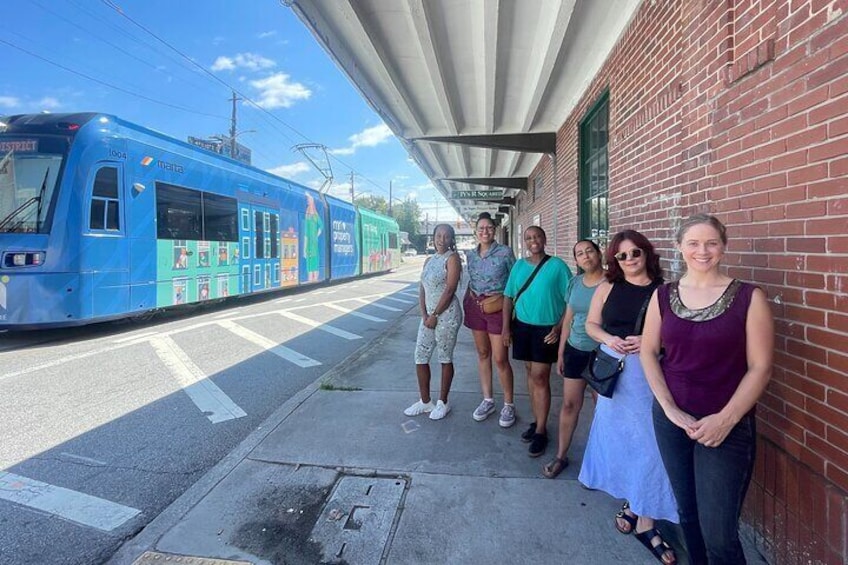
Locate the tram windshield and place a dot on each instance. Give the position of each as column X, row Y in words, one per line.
column 28, row 180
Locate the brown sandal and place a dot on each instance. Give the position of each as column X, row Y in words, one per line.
column 555, row 467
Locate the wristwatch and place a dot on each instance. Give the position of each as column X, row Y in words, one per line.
column 435, row 315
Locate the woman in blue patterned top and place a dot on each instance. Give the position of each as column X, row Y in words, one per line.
column 488, row 270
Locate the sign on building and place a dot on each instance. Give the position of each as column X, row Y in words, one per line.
column 477, row 194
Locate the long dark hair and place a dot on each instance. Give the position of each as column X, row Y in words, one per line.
column 580, row 270
column 652, row 260
column 451, row 232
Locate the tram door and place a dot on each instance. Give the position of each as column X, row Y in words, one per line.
column 260, row 244
column 104, row 270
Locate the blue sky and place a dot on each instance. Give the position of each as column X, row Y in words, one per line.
column 85, row 55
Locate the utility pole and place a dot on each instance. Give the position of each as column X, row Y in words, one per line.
column 233, row 127
column 351, row 188
column 390, row 198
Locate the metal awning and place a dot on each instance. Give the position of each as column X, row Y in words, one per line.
column 475, row 89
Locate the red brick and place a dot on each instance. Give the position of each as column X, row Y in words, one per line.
column 829, row 150
column 823, row 189
column 805, row 244
column 806, row 209
column 828, row 263
column 838, row 322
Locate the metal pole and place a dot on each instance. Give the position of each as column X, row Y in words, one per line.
column 390, row 198
column 351, row 188
column 233, row 127
column 556, row 204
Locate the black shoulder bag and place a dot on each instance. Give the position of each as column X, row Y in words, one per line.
column 603, row 369
column 527, row 282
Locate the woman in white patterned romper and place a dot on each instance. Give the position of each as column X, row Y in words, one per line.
column 441, row 317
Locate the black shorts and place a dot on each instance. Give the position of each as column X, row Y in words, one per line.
column 574, row 361
column 528, row 343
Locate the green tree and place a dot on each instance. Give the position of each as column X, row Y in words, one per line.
column 406, row 212
column 374, row 203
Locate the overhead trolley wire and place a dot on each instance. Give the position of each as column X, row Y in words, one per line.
column 106, row 84
column 111, row 4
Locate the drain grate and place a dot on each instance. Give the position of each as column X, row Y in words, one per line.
column 355, row 524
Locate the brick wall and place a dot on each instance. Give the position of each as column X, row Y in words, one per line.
column 740, row 108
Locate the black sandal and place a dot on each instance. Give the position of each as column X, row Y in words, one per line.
column 631, row 520
column 555, row 467
column 662, row 548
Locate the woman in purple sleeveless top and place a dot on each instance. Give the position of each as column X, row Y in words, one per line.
column 717, row 336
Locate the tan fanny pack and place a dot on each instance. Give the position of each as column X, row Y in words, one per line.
column 489, row 304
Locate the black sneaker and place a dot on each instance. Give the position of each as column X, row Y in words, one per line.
column 527, row 436
column 538, row 445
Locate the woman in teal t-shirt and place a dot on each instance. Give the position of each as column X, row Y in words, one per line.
column 575, row 347
column 534, row 332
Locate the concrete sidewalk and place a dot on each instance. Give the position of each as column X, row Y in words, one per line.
column 339, row 475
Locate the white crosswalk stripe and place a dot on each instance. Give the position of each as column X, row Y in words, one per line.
column 279, row 350
column 205, row 394
column 401, row 300
column 354, row 313
column 375, row 305
column 69, row 504
column 318, row 325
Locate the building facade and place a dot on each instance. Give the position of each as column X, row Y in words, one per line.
column 737, row 108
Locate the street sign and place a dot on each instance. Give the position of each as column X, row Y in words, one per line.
column 477, row 194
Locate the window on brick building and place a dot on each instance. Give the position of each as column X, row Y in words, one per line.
column 537, row 187
column 594, row 173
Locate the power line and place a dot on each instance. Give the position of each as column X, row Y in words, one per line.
column 104, row 83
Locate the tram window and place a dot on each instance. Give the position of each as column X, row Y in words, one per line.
column 105, row 206
column 393, row 240
column 220, row 217
column 275, row 236
column 178, row 213
column 259, row 234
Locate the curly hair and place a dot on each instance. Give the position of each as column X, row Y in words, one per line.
column 652, row 260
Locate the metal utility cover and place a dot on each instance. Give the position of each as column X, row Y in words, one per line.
column 355, row 524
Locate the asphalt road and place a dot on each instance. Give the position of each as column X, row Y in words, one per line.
column 104, row 426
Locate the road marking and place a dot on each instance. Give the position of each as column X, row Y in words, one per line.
column 77, row 507
column 205, row 394
column 354, row 313
column 81, row 459
column 401, row 300
column 411, row 293
column 374, row 304
column 228, row 313
column 279, row 350
column 318, row 325
column 134, row 337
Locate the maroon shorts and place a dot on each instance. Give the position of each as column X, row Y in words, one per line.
column 477, row 320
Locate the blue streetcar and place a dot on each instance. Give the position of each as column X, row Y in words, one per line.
column 103, row 219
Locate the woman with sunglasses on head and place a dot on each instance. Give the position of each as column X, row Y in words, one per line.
column 621, row 455
column 441, row 316
column 717, row 335
column 575, row 347
column 489, row 265
column 536, row 292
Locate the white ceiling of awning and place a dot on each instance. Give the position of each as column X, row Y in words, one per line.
column 456, row 68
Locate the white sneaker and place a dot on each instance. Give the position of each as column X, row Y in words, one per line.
column 419, row 408
column 482, row 412
column 440, row 411
column 507, row 416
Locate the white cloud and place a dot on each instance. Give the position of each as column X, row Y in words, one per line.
column 10, row 101
column 289, row 171
column 277, row 91
column 368, row 137
column 250, row 61
column 266, row 34
column 48, row 103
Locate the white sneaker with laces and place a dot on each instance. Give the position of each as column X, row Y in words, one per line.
column 419, row 408
column 507, row 416
column 440, row 411
column 482, row 412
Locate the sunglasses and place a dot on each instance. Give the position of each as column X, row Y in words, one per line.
column 634, row 253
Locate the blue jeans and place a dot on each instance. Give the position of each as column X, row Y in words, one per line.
column 709, row 484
